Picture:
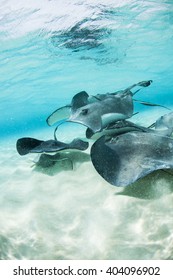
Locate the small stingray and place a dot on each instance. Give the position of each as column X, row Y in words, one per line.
column 46, row 163
column 164, row 124
column 61, row 161
column 31, row 145
column 82, row 99
column 46, row 160
column 124, row 159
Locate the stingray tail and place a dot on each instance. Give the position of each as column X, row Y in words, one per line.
column 79, row 144
column 56, row 128
column 150, row 104
column 141, row 84
column 26, row 144
column 152, row 125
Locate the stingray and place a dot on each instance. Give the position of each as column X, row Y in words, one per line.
column 99, row 114
column 47, row 163
column 123, row 159
column 164, row 124
column 80, row 100
column 31, row 145
column 117, row 128
column 65, row 160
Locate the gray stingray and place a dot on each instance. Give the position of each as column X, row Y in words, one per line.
column 73, row 158
column 31, row 145
column 164, row 124
column 99, row 114
column 117, row 128
column 47, row 160
column 123, row 159
column 83, row 99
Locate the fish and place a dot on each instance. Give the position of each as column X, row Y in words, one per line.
column 124, row 159
column 27, row 145
column 82, row 99
column 99, row 114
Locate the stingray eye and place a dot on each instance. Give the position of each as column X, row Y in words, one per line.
column 84, row 112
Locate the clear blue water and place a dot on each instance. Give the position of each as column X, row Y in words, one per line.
column 49, row 51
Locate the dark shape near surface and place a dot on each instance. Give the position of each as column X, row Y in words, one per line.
column 123, row 159
column 30, row 145
column 84, row 35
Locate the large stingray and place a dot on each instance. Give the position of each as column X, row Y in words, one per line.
column 31, row 145
column 123, row 159
column 122, row 102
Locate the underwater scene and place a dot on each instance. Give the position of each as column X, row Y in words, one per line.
column 86, row 129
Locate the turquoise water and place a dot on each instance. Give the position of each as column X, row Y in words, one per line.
column 49, row 51
column 44, row 62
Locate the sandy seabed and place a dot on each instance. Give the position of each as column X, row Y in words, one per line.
column 58, row 213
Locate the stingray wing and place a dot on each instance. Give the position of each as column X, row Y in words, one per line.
column 26, row 144
column 124, row 159
column 49, row 146
column 58, row 115
column 79, row 100
column 32, row 145
column 78, row 144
